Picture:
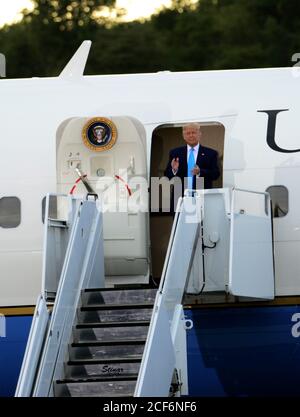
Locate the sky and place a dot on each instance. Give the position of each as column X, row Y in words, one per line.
column 9, row 9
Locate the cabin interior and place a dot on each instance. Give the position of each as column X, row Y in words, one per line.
column 164, row 139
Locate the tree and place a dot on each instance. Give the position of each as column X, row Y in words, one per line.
column 42, row 43
column 208, row 34
column 67, row 14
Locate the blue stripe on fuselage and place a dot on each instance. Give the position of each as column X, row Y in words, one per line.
column 12, row 348
column 243, row 352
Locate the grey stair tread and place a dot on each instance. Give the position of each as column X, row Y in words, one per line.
column 121, row 288
column 137, row 358
column 95, row 388
column 117, row 296
column 128, row 306
column 117, row 395
column 113, row 324
column 102, row 370
column 110, row 395
column 110, row 351
column 114, row 315
column 58, row 223
column 107, row 378
column 98, row 373
column 110, row 333
column 90, row 343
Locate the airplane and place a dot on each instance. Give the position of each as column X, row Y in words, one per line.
column 239, row 346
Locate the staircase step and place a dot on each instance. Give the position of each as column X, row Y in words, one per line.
column 108, row 343
column 113, row 324
column 102, row 370
column 136, row 359
column 117, row 296
column 110, row 351
column 118, row 287
column 95, row 388
column 92, row 307
column 98, row 379
column 115, row 315
column 111, row 334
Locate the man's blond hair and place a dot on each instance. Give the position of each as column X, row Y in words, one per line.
column 193, row 125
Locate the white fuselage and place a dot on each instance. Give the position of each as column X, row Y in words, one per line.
column 33, row 110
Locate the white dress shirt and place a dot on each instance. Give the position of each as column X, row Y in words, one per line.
column 196, row 150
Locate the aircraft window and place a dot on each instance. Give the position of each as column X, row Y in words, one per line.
column 280, row 200
column 10, row 212
column 52, row 208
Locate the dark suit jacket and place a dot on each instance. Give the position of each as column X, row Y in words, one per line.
column 207, row 161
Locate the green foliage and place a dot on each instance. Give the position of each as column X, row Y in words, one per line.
column 209, row 34
column 67, row 14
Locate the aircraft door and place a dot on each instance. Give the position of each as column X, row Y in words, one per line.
column 251, row 266
column 116, row 172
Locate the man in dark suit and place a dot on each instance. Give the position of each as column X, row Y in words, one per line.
column 193, row 160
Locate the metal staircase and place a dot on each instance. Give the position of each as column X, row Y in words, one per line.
column 125, row 341
column 107, row 343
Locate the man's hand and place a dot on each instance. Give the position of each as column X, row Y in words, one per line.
column 175, row 164
column 196, row 170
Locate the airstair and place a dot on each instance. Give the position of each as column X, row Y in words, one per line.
column 131, row 340
column 108, row 342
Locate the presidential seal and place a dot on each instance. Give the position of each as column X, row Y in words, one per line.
column 99, row 134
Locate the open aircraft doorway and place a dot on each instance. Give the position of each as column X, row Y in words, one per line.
column 164, row 139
